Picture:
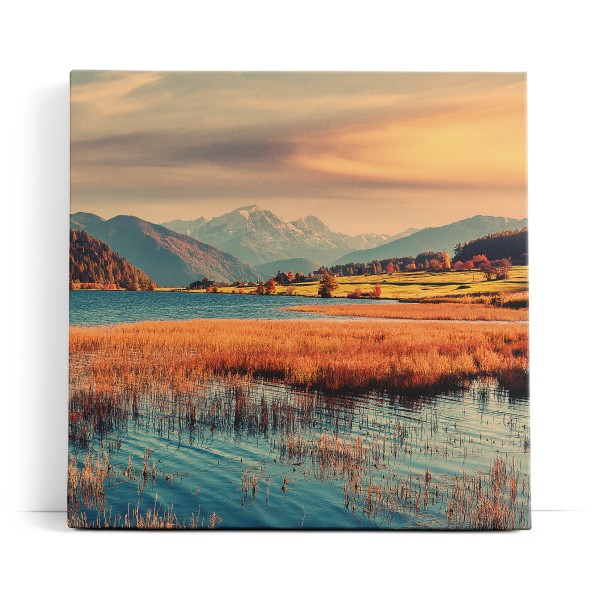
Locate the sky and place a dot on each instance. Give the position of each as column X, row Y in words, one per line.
column 364, row 152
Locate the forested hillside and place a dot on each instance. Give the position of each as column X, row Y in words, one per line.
column 511, row 244
column 93, row 265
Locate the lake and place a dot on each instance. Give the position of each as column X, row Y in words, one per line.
column 96, row 307
column 241, row 452
column 261, row 455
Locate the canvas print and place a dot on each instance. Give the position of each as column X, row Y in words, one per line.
column 298, row 301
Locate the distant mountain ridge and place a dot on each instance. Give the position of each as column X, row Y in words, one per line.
column 169, row 258
column 439, row 239
column 296, row 265
column 258, row 236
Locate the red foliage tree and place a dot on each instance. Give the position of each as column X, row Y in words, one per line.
column 271, row 286
column 376, row 293
column 479, row 260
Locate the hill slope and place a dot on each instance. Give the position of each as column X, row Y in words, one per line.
column 169, row 258
column 441, row 239
column 93, row 262
column 258, row 236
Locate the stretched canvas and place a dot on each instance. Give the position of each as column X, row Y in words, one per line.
column 298, row 301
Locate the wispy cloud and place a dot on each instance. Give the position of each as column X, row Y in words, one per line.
column 296, row 138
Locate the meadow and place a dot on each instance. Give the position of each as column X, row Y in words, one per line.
column 324, row 355
column 409, row 287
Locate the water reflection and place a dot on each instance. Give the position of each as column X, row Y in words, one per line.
column 259, row 454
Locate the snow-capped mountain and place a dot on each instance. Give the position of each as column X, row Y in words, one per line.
column 258, row 236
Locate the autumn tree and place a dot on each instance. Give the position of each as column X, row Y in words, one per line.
column 271, row 286
column 479, row 260
column 496, row 269
column 327, row 286
column 390, row 268
column 376, row 293
column 445, row 260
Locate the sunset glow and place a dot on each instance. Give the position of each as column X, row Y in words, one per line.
column 440, row 147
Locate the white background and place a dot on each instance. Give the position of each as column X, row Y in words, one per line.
column 556, row 43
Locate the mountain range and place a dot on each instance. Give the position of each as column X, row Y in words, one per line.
column 169, row 258
column 439, row 239
column 258, row 236
column 254, row 235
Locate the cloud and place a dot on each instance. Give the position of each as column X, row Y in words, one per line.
column 296, row 136
column 160, row 149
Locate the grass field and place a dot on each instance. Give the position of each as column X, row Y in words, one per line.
column 446, row 311
column 408, row 286
column 169, row 358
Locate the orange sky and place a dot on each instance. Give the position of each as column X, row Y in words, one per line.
column 366, row 152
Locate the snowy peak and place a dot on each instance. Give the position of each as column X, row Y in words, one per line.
column 256, row 236
column 312, row 224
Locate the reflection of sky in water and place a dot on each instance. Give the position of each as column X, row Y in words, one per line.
column 243, row 430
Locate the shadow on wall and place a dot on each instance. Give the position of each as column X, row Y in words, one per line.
column 41, row 426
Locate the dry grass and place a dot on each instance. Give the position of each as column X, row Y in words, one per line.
column 86, row 488
column 514, row 300
column 169, row 359
column 445, row 312
column 490, row 501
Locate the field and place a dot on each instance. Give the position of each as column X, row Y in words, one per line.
column 442, row 311
column 171, row 356
column 408, row 286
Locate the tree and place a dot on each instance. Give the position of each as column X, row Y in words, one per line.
column 282, row 278
column 496, row 269
column 479, row 260
column 390, row 268
column 376, row 293
column 260, row 289
column 271, row 286
column 327, row 286
column 445, row 260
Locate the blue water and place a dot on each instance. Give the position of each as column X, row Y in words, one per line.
column 87, row 307
column 201, row 467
